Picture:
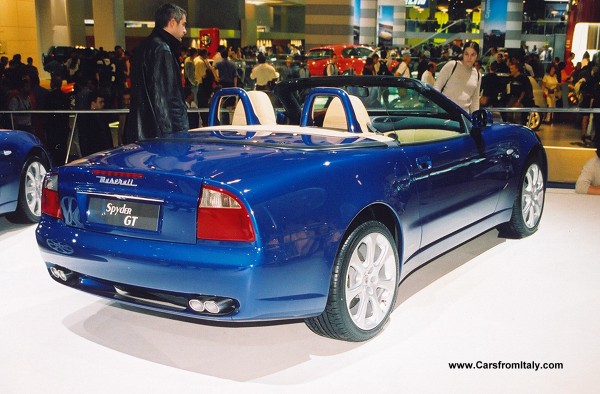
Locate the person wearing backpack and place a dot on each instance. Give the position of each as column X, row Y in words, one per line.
column 460, row 81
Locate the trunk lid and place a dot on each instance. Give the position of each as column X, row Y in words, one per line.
column 148, row 190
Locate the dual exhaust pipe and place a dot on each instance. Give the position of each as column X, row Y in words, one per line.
column 61, row 274
column 212, row 305
column 209, row 305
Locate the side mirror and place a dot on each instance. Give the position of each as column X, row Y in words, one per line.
column 481, row 118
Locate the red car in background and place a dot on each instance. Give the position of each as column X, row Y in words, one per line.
column 349, row 56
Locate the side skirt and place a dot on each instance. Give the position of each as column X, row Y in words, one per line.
column 452, row 241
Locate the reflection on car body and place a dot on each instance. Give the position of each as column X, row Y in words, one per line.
column 23, row 164
column 313, row 211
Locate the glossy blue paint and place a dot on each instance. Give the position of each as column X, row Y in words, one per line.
column 303, row 195
column 15, row 148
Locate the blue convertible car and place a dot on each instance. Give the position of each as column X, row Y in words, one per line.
column 313, row 210
column 23, row 164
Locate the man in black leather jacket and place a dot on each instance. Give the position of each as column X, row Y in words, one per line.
column 157, row 98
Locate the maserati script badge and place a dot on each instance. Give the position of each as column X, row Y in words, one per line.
column 117, row 181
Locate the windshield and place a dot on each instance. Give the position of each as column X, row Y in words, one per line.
column 383, row 98
column 403, row 110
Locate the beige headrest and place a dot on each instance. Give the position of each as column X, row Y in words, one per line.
column 335, row 117
column 261, row 103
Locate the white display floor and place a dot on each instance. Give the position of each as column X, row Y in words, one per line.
column 492, row 300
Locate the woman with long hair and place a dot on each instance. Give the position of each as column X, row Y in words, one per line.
column 460, row 81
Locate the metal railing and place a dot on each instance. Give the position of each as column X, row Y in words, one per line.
column 73, row 115
column 444, row 30
column 543, row 27
column 573, row 110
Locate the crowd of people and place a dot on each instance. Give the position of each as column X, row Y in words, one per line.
column 473, row 80
column 167, row 80
column 86, row 80
column 506, row 79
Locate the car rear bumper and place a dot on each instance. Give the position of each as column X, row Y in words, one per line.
column 146, row 273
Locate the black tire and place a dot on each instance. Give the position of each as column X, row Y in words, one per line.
column 29, row 204
column 529, row 203
column 363, row 286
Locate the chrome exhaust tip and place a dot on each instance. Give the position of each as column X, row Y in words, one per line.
column 54, row 272
column 212, row 305
column 61, row 273
column 196, row 305
column 218, row 305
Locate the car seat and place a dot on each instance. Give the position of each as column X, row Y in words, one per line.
column 262, row 106
column 335, row 117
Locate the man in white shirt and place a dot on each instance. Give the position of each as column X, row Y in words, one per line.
column 428, row 76
column 264, row 74
column 404, row 67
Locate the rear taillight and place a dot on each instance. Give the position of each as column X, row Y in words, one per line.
column 223, row 217
column 50, row 200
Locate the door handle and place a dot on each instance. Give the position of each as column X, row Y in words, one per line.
column 424, row 163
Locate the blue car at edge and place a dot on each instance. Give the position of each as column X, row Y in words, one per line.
column 23, row 163
column 310, row 202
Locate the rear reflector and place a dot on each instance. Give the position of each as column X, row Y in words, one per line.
column 223, row 217
column 118, row 174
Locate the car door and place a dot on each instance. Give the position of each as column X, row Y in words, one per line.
column 10, row 170
column 457, row 175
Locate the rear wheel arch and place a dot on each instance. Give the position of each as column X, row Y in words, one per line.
column 537, row 152
column 381, row 213
column 39, row 152
column 364, row 281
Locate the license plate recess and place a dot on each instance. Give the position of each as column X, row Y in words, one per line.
column 140, row 215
